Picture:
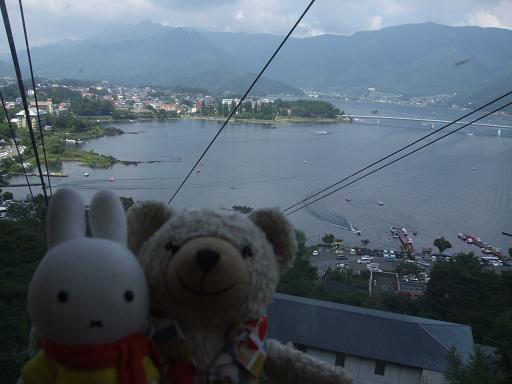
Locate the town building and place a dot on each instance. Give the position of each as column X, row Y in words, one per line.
column 383, row 282
column 169, row 107
column 22, row 121
column 373, row 346
column 199, row 106
column 230, row 102
column 46, row 106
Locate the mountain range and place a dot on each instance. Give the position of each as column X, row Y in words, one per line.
column 413, row 59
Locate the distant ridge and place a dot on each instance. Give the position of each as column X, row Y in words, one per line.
column 413, row 59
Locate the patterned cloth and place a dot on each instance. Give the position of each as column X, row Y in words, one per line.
column 126, row 355
column 240, row 362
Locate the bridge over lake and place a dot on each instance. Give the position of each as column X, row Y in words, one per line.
column 377, row 117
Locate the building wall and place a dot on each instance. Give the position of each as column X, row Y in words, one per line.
column 323, row 355
column 22, row 122
column 363, row 370
column 432, row 377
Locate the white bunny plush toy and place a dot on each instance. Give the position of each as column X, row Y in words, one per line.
column 88, row 299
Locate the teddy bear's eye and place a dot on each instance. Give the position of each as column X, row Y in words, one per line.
column 62, row 296
column 246, row 252
column 129, row 296
column 171, row 247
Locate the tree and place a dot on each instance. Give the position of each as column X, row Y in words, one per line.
column 55, row 145
column 302, row 278
column 365, row 242
column 7, row 195
column 503, row 336
column 442, row 244
column 241, row 208
column 455, row 369
column 455, row 294
column 476, row 371
column 23, row 246
column 328, row 238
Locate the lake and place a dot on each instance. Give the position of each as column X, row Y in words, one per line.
column 435, row 192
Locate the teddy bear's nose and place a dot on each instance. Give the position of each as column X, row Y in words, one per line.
column 206, row 259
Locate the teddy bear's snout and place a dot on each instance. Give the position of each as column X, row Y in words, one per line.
column 208, row 273
column 207, row 259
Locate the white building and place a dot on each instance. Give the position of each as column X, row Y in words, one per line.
column 22, row 121
column 373, row 346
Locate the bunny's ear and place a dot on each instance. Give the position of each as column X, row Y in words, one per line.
column 66, row 217
column 107, row 217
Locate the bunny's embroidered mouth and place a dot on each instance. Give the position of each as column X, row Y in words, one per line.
column 95, row 324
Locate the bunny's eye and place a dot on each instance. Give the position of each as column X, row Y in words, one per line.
column 62, row 296
column 129, row 296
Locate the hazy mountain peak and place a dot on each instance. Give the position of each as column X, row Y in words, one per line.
column 412, row 59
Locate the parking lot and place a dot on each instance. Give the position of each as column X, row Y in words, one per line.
column 328, row 258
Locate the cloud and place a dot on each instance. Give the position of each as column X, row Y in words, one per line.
column 376, row 22
column 485, row 19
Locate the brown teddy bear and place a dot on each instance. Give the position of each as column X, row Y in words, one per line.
column 211, row 276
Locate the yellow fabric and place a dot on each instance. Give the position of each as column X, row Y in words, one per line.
column 43, row 370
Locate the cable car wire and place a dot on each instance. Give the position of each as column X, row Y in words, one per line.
column 399, row 150
column 21, row 87
column 243, row 98
column 20, row 158
column 35, row 96
column 398, row 159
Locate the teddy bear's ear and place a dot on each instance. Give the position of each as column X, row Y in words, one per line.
column 144, row 219
column 279, row 233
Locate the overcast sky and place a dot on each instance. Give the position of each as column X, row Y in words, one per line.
column 52, row 20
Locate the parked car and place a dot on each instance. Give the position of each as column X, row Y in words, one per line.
column 372, row 266
column 315, row 253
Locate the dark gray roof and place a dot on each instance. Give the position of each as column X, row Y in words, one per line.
column 383, row 282
column 401, row 339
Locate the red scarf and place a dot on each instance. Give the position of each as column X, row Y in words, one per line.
column 125, row 355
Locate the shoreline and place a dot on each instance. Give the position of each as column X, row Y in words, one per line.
column 315, row 120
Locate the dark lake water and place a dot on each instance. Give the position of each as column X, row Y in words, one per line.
column 434, row 192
